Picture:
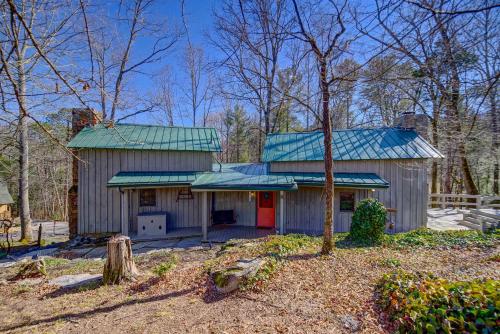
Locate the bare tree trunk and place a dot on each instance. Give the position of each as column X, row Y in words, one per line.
column 327, row 131
column 453, row 102
column 435, row 141
column 24, row 202
column 495, row 142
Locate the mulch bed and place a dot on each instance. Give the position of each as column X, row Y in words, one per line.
column 310, row 293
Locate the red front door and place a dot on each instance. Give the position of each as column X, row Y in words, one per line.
column 265, row 209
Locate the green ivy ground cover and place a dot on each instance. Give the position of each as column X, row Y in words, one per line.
column 421, row 303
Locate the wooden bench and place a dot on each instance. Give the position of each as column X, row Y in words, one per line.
column 220, row 217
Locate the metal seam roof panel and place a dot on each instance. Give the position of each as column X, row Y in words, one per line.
column 144, row 137
column 356, row 144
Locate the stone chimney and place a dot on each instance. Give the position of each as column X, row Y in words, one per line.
column 411, row 121
column 80, row 118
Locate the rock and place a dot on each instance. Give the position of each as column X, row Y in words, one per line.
column 228, row 280
column 71, row 281
column 30, row 281
column 350, row 323
column 32, row 269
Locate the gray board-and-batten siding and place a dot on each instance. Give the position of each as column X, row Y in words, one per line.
column 407, row 193
column 99, row 206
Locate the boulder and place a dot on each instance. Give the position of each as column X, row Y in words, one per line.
column 230, row 279
column 72, row 281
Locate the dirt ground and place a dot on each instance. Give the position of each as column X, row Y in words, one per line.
column 308, row 294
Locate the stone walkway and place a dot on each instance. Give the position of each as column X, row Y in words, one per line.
column 438, row 219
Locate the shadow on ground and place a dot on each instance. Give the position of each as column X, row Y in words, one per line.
column 82, row 315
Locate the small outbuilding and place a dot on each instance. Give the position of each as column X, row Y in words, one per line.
column 5, row 202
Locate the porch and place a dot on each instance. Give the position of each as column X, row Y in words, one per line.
column 216, row 234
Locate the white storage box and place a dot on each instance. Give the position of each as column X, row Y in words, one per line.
column 152, row 224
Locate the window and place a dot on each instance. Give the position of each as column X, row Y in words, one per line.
column 147, row 197
column 347, row 201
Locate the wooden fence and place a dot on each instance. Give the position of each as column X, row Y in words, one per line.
column 464, row 201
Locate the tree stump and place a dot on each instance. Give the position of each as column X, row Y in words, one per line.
column 120, row 264
column 31, row 269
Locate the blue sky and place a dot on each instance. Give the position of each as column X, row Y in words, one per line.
column 199, row 19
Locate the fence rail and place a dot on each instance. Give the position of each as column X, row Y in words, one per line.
column 464, row 201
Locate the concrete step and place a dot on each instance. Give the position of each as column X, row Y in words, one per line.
column 473, row 219
column 477, row 224
column 481, row 218
column 486, row 221
column 489, row 215
column 471, row 225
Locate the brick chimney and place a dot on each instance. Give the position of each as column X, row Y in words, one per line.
column 411, row 121
column 80, row 118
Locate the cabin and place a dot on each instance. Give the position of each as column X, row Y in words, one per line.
column 5, row 202
column 155, row 181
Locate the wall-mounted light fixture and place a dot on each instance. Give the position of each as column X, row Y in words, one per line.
column 251, row 195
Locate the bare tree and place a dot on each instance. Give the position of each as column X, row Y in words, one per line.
column 486, row 33
column 251, row 37
column 411, row 32
column 165, row 96
column 324, row 33
column 25, row 83
column 118, row 60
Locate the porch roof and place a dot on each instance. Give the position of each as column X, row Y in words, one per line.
column 251, row 176
column 151, row 179
column 344, row 180
column 242, row 176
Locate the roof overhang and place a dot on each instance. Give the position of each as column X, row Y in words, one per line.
column 243, row 178
column 151, row 179
column 340, row 180
column 237, row 181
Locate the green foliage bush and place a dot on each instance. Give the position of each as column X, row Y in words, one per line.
column 427, row 238
column 164, row 267
column 422, row 303
column 368, row 222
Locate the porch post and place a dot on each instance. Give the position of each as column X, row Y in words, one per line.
column 124, row 212
column 282, row 210
column 204, row 215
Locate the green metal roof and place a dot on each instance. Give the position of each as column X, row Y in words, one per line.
column 355, row 144
column 242, row 177
column 5, row 197
column 151, row 179
column 147, row 137
column 344, row 180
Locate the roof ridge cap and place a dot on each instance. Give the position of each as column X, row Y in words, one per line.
column 164, row 126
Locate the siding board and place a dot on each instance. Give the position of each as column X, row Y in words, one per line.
column 407, row 193
column 99, row 206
